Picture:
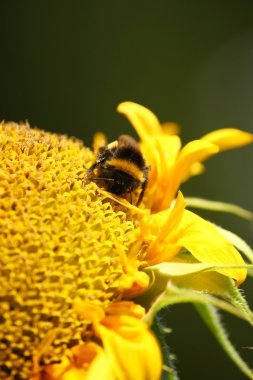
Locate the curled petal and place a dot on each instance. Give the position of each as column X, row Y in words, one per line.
column 131, row 348
column 144, row 121
column 228, row 138
column 193, row 153
column 207, row 245
column 163, row 230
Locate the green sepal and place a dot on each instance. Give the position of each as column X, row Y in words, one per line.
column 169, row 371
column 190, row 275
column 174, row 295
column 210, row 316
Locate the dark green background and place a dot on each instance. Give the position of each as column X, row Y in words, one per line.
column 65, row 65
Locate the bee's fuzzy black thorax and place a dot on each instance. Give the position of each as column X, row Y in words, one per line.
column 121, row 167
column 131, row 155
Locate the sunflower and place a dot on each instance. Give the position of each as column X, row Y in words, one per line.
column 83, row 272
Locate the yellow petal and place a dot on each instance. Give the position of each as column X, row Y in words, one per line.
column 83, row 363
column 166, row 222
column 171, row 128
column 132, row 349
column 142, row 119
column 170, row 167
column 207, row 245
column 164, row 227
column 99, row 141
column 95, row 372
column 161, row 153
column 88, row 312
column 126, row 308
column 133, row 283
column 229, row 138
column 192, row 153
column 179, row 228
column 195, row 169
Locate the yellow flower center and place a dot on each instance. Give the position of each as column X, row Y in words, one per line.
column 61, row 241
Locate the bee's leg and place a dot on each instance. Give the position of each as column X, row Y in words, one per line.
column 131, row 198
column 143, row 188
column 91, row 169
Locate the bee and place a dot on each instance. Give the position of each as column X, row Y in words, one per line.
column 121, row 167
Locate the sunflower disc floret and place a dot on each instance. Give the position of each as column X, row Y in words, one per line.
column 61, row 241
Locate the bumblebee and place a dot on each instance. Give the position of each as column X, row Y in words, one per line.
column 121, row 168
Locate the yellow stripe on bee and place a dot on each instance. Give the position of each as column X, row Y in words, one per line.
column 127, row 167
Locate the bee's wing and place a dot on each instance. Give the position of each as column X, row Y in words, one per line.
column 125, row 140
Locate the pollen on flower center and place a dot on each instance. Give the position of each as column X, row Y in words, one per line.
column 61, row 241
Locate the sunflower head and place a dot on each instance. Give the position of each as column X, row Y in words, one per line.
column 62, row 241
column 74, row 255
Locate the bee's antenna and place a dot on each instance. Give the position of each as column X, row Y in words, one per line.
column 103, row 179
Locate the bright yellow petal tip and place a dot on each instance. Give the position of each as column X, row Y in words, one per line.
column 144, row 121
column 229, row 138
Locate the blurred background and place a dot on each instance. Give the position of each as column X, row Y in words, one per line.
column 65, row 66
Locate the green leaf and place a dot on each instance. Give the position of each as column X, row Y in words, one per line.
column 210, row 316
column 230, row 208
